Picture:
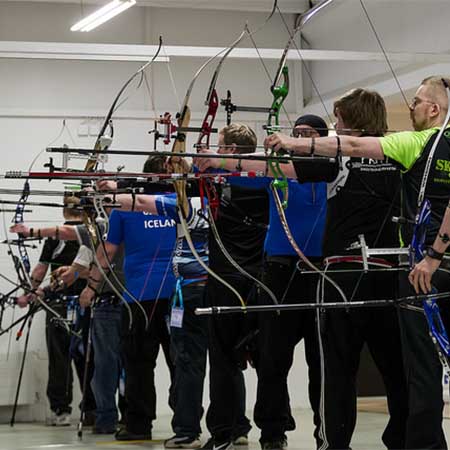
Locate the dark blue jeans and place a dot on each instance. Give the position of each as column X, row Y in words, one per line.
column 106, row 342
column 188, row 347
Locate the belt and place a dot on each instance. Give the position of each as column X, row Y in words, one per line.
column 197, row 281
column 291, row 260
column 109, row 299
column 285, row 260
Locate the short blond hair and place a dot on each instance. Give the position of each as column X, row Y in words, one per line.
column 241, row 135
column 437, row 91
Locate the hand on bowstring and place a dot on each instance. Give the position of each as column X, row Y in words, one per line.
column 280, row 142
column 420, row 276
column 63, row 277
column 24, row 300
column 204, row 164
column 106, row 185
column 177, row 164
column 20, row 228
column 87, row 297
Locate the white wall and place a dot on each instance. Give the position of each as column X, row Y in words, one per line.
column 35, row 97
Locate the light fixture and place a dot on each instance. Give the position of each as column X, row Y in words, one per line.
column 102, row 15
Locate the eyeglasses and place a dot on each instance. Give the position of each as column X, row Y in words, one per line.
column 417, row 101
column 303, row 132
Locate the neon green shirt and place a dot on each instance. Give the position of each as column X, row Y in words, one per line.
column 407, row 146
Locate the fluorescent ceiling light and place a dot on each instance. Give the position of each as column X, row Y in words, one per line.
column 102, row 15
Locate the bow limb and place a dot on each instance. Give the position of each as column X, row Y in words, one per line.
column 234, row 263
column 21, row 262
column 102, row 143
column 93, row 240
column 430, row 306
column 187, row 236
column 212, row 100
column 204, row 139
column 179, row 146
column 295, row 246
column 280, row 90
column 279, row 93
column 117, row 286
column 303, row 20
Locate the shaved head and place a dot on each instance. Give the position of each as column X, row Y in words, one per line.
column 436, row 91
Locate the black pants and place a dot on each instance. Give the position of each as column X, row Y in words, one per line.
column 278, row 336
column 188, row 349
column 226, row 418
column 343, row 333
column 140, row 349
column 423, row 370
column 60, row 375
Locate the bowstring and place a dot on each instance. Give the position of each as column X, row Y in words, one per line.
column 172, row 79
column 305, row 65
column 380, row 44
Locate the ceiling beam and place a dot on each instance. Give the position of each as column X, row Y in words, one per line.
column 409, row 79
column 287, row 6
column 118, row 52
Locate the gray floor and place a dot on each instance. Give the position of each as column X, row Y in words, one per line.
column 37, row 436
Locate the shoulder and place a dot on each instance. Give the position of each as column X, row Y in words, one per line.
column 406, row 147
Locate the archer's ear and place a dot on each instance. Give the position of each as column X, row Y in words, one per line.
column 436, row 110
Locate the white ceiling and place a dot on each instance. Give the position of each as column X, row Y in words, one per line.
column 287, row 6
column 403, row 26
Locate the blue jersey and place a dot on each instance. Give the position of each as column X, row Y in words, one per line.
column 306, row 214
column 184, row 262
column 149, row 243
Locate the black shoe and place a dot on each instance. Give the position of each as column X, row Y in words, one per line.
column 183, row 442
column 212, row 444
column 104, row 430
column 274, row 445
column 124, row 435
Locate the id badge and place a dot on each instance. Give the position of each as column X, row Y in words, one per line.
column 176, row 317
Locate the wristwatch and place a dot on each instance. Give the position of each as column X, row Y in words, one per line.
column 432, row 253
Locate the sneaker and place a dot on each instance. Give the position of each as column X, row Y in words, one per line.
column 63, row 420
column 183, row 442
column 213, row 445
column 241, row 440
column 124, row 435
column 274, row 445
column 50, row 421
